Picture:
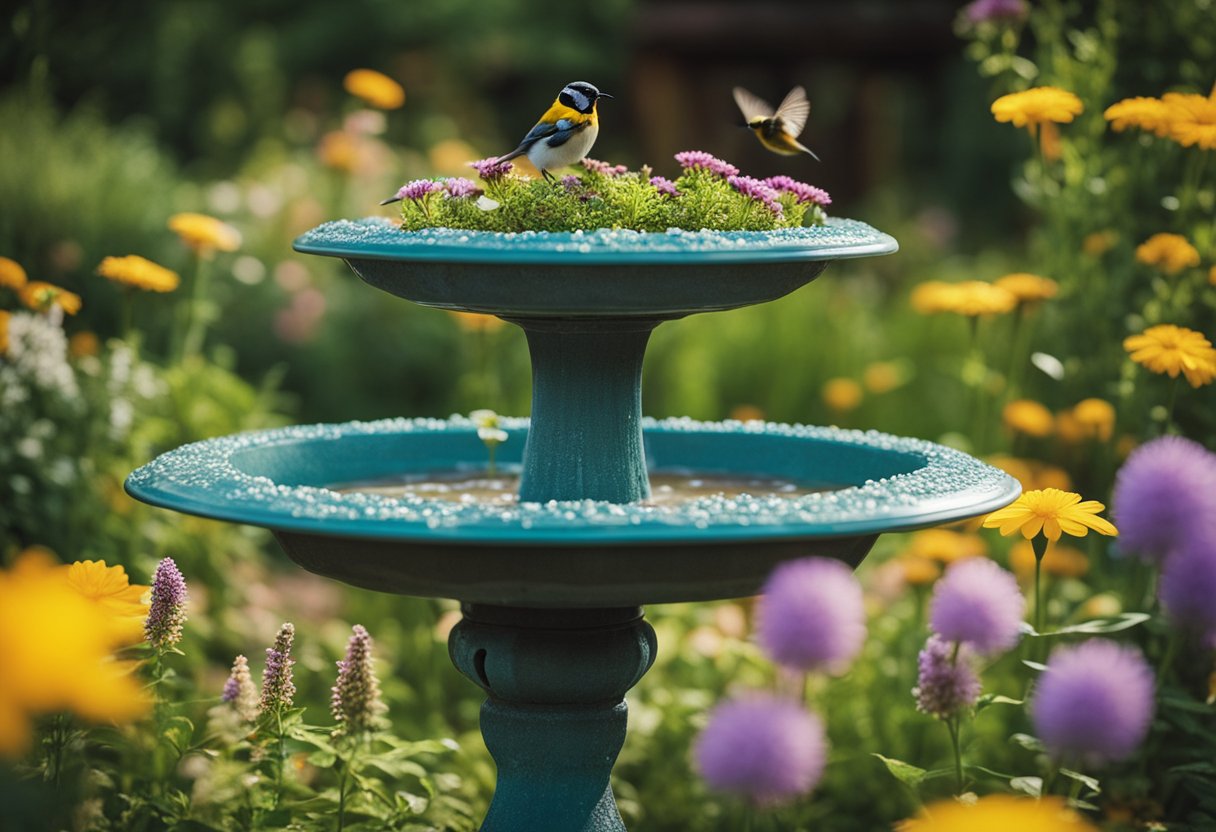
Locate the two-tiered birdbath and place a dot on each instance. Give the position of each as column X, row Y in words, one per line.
column 552, row 585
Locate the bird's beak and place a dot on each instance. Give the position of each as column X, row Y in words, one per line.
column 605, row 95
column 391, row 200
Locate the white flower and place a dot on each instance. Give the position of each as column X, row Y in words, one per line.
column 484, row 418
column 492, row 436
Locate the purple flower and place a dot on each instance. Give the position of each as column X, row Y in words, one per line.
column 800, row 190
column 811, row 615
column 1165, row 496
column 278, row 689
column 753, row 188
column 978, row 603
column 571, row 182
column 700, row 160
column 766, row 749
column 239, row 690
column 1188, row 587
column 418, row 189
column 603, row 168
column 355, row 703
column 1094, row 702
column 664, row 186
column 491, row 169
column 946, row 684
column 982, row 11
column 167, row 613
column 457, row 187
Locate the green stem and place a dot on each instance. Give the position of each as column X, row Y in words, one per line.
column 1168, row 426
column 1039, row 543
column 342, row 794
column 278, row 769
column 196, row 312
column 1167, row 658
column 953, row 726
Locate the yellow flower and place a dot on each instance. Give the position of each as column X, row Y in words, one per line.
column 83, row 344
column 1060, row 560
column 1171, row 252
column 338, row 150
column 1037, row 106
column 1099, row 242
column 932, row 296
column 884, row 376
column 107, row 587
column 975, row 297
column 12, row 275
column 1170, row 349
column 918, row 571
column 1192, row 119
column 1052, row 512
column 4, row 316
column 1150, row 114
column 476, row 322
column 55, row 648
column 998, row 813
column 204, row 234
column 41, row 297
column 841, row 394
column 376, row 88
column 1096, row 418
column 1028, row 417
column 451, row 157
column 747, row 413
column 945, row 545
column 139, row 272
column 1028, row 288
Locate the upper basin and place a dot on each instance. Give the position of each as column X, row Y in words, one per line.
column 605, row 273
column 578, row 553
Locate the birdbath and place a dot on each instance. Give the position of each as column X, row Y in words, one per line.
column 552, row 585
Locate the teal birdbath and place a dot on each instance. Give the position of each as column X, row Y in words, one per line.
column 552, row 584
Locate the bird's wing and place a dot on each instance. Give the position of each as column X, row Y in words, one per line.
column 750, row 105
column 565, row 129
column 542, row 130
column 794, row 110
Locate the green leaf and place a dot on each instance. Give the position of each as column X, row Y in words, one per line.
column 1089, row 782
column 1032, row 786
column 1027, row 741
column 1099, row 626
column 178, row 731
column 994, row 699
column 906, row 773
column 1034, row 665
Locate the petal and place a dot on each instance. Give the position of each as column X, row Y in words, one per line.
column 1032, row 526
column 1051, row 529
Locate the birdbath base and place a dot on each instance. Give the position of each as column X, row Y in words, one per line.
column 554, row 719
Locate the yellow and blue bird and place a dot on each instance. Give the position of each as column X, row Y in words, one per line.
column 777, row 130
column 566, row 131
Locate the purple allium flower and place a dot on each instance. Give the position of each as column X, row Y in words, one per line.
column 766, row 749
column 978, row 603
column 278, row 689
column 700, row 160
column 1165, row 495
column 801, row 191
column 239, row 690
column 1094, row 702
column 167, row 613
column 664, row 186
column 491, row 169
column 1188, row 587
column 355, row 703
column 457, row 187
column 753, row 188
column 603, row 168
column 946, row 684
column 418, row 189
column 982, row 11
column 811, row 615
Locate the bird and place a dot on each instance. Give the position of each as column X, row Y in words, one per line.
column 778, row 131
column 566, row 131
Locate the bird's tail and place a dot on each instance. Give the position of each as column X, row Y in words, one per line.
column 519, row 151
column 806, row 150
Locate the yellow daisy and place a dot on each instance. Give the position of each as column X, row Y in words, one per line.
column 1028, row 288
column 932, row 296
column 841, row 394
column 884, row 376
column 12, row 276
column 1028, row 417
column 338, row 150
column 1150, row 114
column 973, row 298
column 1052, row 512
column 1099, row 242
column 1170, row 349
column 918, row 571
column 204, row 234
column 41, row 297
column 1192, row 119
column 1096, row 418
column 1170, row 252
column 376, row 88
column 998, row 813
column 108, row 588
column 83, row 344
column 139, row 272
column 1040, row 105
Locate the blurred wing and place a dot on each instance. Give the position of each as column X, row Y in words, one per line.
column 751, row 106
column 794, row 111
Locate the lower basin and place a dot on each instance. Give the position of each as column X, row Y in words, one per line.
column 567, row 554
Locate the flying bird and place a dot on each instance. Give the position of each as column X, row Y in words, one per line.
column 778, row 131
